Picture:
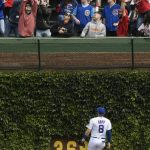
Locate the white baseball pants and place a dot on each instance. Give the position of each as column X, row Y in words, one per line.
column 96, row 144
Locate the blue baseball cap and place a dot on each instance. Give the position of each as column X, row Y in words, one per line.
column 101, row 110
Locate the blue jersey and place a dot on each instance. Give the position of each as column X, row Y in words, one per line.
column 1, row 9
column 68, row 8
column 84, row 14
column 111, row 16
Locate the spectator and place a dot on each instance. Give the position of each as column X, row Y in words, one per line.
column 133, row 15
column 122, row 29
column 127, row 4
column 64, row 28
column 2, row 23
column 98, row 3
column 27, row 18
column 143, row 7
column 8, row 6
column 144, row 29
column 111, row 17
column 58, row 8
column 95, row 28
column 55, row 7
column 82, row 14
column 43, row 20
column 67, row 6
column 12, row 24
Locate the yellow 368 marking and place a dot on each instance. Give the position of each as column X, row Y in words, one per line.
column 68, row 145
column 83, row 147
column 71, row 145
column 58, row 145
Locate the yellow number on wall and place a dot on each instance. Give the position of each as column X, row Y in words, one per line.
column 58, row 145
column 84, row 147
column 71, row 145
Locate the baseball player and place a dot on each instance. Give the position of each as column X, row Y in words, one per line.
column 100, row 129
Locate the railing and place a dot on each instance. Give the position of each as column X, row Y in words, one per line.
column 74, row 53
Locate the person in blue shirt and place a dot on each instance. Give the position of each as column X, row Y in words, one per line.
column 82, row 14
column 2, row 23
column 67, row 6
column 111, row 17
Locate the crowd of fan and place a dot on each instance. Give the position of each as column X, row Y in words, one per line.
column 68, row 18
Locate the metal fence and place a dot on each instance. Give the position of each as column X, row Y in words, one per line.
column 74, row 53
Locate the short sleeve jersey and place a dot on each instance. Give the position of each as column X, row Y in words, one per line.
column 99, row 127
column 84, row 13
column 111, row 16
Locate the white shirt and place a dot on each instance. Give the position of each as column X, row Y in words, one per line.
column 99, row 126
column 145, row 28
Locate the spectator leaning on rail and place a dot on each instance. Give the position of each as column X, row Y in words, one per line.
column 82, row 14
column 2, row 23
column 111, row 17
column 12, row 24
column 28, row 11
column 64, row 28
column 43, row 19
column 94, row 28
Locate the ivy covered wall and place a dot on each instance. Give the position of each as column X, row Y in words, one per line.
column 34, row 107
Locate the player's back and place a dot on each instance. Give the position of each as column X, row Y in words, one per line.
column 99, row 127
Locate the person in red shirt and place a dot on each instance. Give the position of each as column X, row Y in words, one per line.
column 123, row 23
column 28, row 11
column 8, row 6
column 143, row 7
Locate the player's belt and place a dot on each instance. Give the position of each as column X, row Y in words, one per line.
column 97, row 137
column 103, row 139
column 94, row 137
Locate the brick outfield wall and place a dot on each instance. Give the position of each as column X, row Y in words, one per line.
column 94, row 60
